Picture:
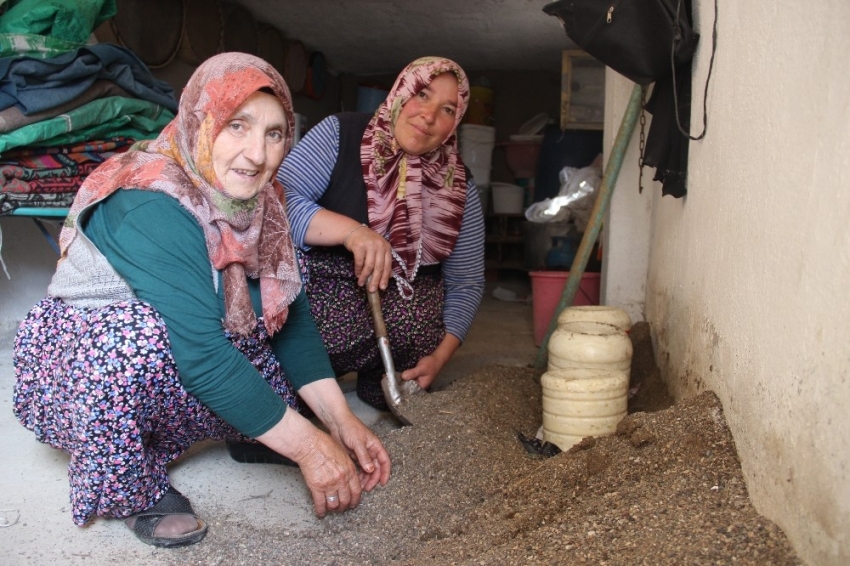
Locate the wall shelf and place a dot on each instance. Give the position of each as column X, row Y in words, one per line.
column 582, row 91
column 504, row 244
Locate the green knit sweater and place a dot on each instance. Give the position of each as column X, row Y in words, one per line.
column 159, row 249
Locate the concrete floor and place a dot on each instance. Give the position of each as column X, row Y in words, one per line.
column 35, row 521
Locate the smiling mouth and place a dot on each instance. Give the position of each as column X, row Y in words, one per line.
column 423, row 133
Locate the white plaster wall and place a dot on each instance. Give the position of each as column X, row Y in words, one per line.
column 748, row 275
column 626, row 232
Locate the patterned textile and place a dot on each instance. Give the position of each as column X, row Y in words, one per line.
column 414, row 327
column 243, row 237
column 417, row 201
column 369, row 390
column 101, row 385
column 55, row 169
column 85, row 148
column 13, row 201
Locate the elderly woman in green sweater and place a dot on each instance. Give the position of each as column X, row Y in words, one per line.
column 177, row 314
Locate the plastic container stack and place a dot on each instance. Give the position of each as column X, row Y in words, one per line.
column 476, row 149
column 585, row 390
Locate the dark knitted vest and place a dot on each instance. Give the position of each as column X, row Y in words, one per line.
column 346, row 193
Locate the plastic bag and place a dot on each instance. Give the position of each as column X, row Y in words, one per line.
column 575, row 198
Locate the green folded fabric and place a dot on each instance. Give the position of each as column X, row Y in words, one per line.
column 99, row 119
column 69, row 21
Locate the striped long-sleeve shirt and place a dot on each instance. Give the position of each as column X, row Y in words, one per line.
column 306, row 173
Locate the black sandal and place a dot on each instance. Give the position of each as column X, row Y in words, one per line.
column 172, row 503
column 256, row 453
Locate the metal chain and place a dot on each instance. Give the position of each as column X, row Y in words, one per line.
column 642, row 138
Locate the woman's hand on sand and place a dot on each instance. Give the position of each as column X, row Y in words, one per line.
column 330, row 475
column 328, row 470
column 362, row 445
column 366, row 449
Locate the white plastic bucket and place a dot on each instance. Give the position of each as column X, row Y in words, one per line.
column 615, row 316
column 582, row 402
column 476, row 149
column 582, row 344
column 507, row 198
column 480, row 174
column 484, row 197
column 477, row 133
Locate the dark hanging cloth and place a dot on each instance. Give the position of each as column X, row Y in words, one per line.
column 666, row 146
column 643, row 41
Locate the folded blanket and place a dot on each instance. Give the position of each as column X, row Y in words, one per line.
column 36, row 85
column 12, row 118
column 99, row 119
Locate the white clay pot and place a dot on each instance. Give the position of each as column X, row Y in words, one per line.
column 582, row 402
column 615, row 316
column 590, row 345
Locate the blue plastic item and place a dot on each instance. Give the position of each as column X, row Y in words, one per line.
column 369, row 98
column 563, row 252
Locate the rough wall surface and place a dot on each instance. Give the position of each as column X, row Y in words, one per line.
column 747, row 275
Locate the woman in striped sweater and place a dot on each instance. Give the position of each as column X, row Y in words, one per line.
column 385, row 201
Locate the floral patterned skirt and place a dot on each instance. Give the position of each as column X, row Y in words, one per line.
column 341, row 309
column 101, row 384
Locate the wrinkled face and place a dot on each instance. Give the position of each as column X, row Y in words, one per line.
column 427, row 119
column 249, row 149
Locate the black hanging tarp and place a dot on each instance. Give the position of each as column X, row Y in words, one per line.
column 644, row 40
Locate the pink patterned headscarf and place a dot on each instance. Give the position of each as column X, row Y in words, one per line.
column 417, row 202
column 244, row 237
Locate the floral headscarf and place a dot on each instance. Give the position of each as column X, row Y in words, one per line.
column 243, row 237
column 417, row 202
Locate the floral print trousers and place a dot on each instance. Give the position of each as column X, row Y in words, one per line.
column 101, row 384
column 341, row 309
